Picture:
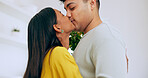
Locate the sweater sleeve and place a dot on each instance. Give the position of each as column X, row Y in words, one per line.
column 109, row 59
column 63, row 64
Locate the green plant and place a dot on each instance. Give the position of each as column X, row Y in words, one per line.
column 15, row 30
column 74, row 39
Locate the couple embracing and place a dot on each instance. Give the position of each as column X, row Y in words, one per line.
column 99, row 54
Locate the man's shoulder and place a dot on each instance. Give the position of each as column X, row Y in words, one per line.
column 98, row 34
column 106, row 31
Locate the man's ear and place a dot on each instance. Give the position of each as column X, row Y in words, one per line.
column 57, row 28
column 93, row 4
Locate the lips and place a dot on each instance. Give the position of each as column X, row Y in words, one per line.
column 72, row 22
column 71, row 19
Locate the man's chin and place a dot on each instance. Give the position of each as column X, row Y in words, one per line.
column 76, row 26
column 76, row 29
column 73, row 24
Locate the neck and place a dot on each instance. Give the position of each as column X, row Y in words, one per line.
column 65, row 41
column 94, row 23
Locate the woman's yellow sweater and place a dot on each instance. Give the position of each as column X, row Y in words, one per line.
column 60, row 64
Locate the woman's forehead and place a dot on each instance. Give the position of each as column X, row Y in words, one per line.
column 57, row 11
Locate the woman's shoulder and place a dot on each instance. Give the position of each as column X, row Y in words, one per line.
column 59, row 49
column 59, row 52
column 60, row 55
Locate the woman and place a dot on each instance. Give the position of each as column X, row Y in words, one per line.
column 48, row 41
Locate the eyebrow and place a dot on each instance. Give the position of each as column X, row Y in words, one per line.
column 69, row 4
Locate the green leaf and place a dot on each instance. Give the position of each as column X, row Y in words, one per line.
column 74, row 39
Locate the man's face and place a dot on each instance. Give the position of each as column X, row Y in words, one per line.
column 79, row 13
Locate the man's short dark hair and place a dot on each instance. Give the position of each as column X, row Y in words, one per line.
column 97, row 1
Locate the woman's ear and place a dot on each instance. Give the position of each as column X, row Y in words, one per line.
column 57, row 28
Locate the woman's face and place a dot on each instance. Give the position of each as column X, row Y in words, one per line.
column 64, row 22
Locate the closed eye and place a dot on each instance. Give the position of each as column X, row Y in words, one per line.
column 72, row 8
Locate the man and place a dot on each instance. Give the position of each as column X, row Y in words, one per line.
column 101, row 51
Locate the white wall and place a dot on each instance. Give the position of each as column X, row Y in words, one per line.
column 13, row 50
column 13, row 58
column 8, row 23
column 131, row 18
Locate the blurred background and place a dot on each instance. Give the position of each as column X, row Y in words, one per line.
column 129, row 16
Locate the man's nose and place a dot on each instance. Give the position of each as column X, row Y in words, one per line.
column 68, row 14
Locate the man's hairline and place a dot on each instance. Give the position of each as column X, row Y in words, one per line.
column 84, row 2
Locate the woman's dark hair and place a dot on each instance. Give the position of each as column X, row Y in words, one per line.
column 41, row 38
